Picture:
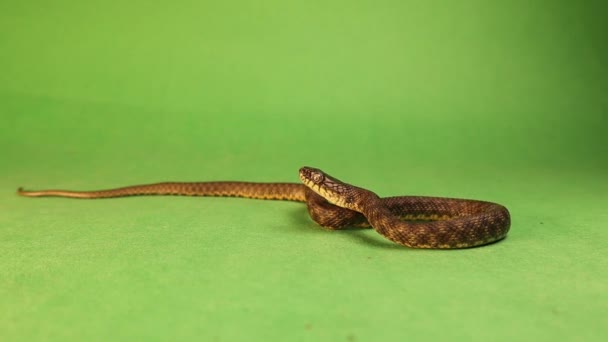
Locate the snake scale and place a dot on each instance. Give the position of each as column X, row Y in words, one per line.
column 412, row 221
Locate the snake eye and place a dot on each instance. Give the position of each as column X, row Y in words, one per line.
column 317, row 177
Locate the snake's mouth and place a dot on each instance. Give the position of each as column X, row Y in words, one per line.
column 324, row 185
column 305, row 172
column 314, row 179
column 306, row 176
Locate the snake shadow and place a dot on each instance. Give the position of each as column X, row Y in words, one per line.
column 300, row 218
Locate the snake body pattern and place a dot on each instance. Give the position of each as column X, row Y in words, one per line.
column 412, row 221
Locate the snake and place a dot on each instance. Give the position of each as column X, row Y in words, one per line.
column 411, row 221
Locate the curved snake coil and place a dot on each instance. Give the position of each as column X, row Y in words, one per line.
column 447, row 222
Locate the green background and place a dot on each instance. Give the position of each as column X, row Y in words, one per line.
column 502, row 101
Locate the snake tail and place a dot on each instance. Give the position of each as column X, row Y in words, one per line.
column 269, row 191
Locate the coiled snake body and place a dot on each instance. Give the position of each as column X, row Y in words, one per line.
column 447, row 222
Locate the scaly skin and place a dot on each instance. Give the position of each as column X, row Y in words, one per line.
column 451, row 223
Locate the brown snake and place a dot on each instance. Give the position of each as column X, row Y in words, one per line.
column 447, row 222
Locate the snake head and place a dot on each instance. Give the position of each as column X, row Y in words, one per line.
column 332, row 189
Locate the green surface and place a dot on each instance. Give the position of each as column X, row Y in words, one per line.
column 502, row 102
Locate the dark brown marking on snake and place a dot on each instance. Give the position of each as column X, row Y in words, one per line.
column 447, row 222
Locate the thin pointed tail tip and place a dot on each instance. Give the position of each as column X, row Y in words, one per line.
column 27, row 193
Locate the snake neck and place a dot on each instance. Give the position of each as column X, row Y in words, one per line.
column 361, row 200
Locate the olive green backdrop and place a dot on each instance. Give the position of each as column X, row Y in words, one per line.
column 503, row 102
